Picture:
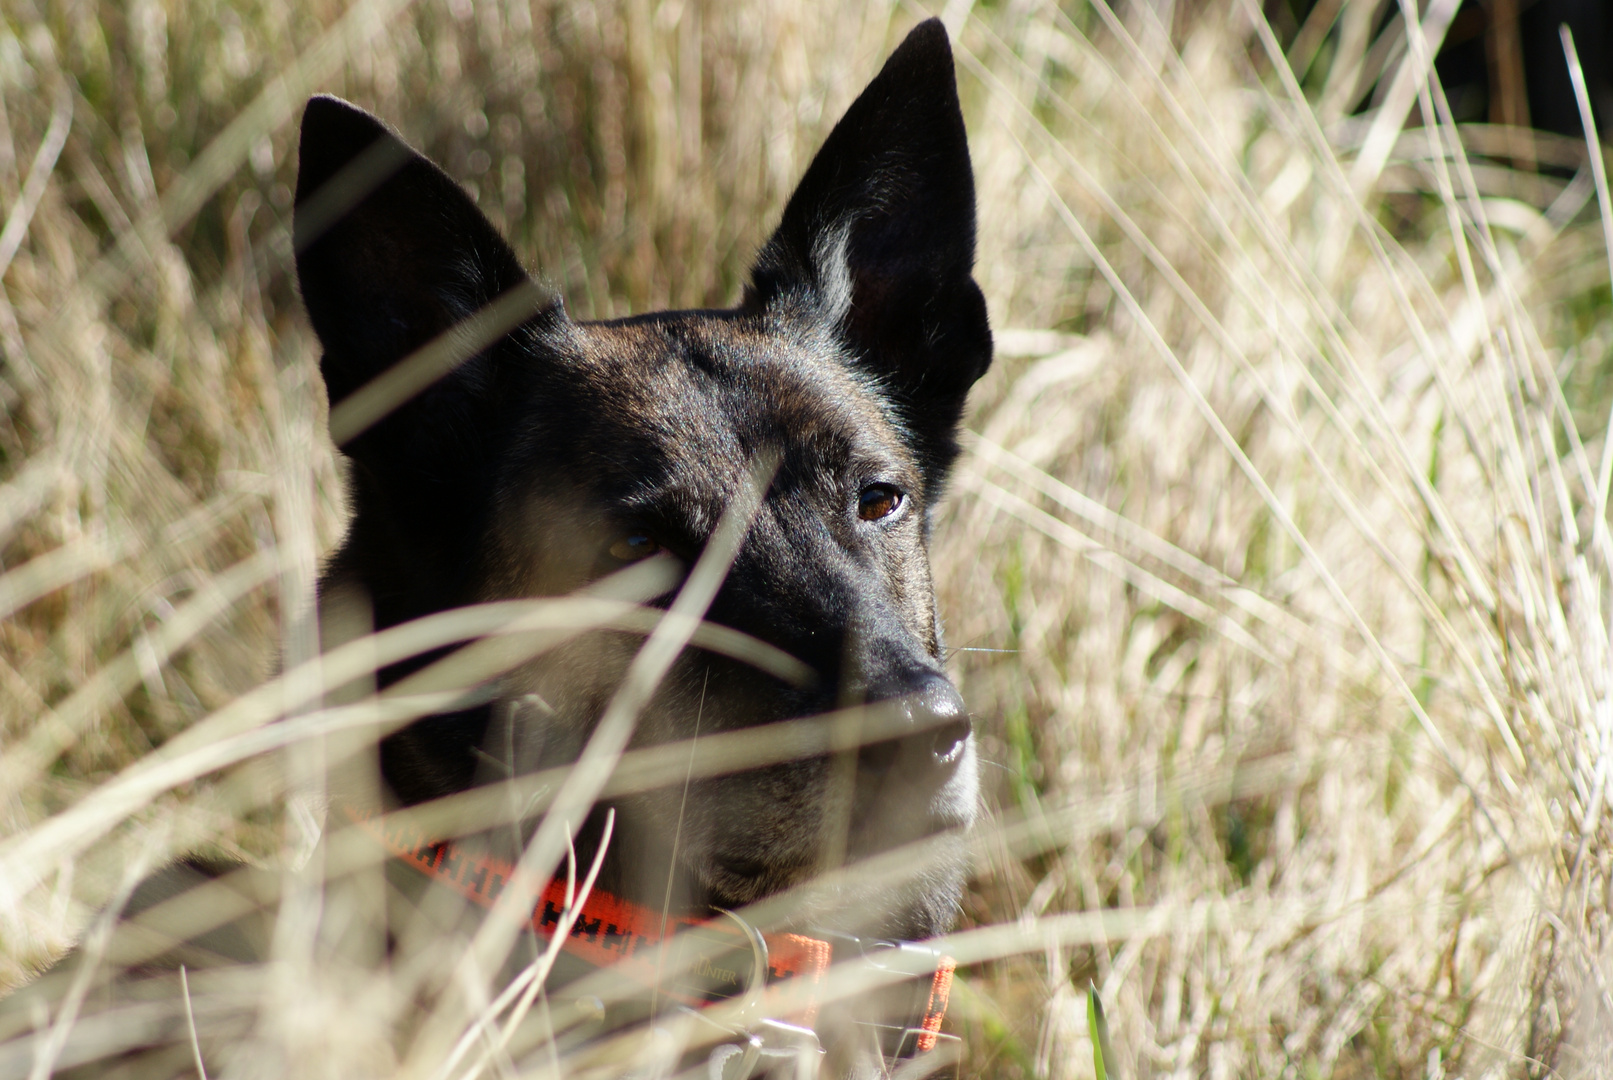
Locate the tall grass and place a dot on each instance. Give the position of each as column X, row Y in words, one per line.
column 1277, row 566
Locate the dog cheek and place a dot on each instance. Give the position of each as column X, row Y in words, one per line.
column 773, row 818
column 569, row 685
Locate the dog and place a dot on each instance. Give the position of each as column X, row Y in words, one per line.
column 818, row 418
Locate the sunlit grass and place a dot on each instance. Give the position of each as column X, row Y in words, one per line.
column 1276, row 566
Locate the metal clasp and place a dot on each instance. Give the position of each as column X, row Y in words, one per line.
column 773, row 1050
column 766, row 1048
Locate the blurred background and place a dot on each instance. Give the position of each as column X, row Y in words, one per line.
column 1276, row 570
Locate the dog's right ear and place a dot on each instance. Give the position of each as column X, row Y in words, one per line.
column 391, row 253
column 393, row 256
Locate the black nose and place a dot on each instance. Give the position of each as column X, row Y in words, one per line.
column 935, row 730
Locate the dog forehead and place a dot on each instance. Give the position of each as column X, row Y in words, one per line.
column 711, row 390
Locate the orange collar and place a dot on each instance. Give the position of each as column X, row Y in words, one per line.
column 610, row 930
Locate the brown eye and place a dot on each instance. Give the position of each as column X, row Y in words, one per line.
column 633, row 547
column 878, row 501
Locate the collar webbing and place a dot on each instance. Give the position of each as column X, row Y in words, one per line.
column 935, row 1010
column 613, row 931
column 608, row 930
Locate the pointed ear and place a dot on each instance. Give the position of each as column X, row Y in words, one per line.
column 391, row 256
column 391, row 253
column 879, row 238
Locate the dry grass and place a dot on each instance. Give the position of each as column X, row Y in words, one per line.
column 1278, row 562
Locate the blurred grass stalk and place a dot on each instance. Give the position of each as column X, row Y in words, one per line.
column 1277, row 563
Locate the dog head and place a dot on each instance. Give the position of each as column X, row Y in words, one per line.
column 559, row 451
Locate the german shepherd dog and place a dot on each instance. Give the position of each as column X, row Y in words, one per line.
column 559, row 453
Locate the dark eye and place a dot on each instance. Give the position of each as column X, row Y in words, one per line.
column 634, row 546
column 878, row 501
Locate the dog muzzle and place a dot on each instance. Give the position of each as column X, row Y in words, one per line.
column 751, row 1002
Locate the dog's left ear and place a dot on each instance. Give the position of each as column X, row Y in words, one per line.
column 880, row 237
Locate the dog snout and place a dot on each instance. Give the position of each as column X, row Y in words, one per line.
column 934, row 726
column 940, row 721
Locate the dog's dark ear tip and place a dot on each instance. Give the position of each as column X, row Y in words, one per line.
column 930, row 34
column 326, row 115
column 926, row 48
column 318, row 103
column 333, row 133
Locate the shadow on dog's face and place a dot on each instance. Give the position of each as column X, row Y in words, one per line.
column 561, row 451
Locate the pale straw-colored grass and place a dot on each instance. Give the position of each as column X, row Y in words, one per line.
column 1276, row 563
